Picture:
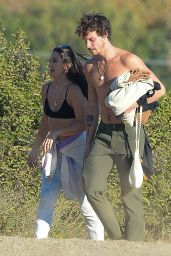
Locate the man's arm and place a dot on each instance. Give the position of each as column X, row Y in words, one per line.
column 131, row 61
column 92, row 117
column 92, row 111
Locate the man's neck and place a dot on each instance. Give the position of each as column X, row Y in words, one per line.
column 109, row 52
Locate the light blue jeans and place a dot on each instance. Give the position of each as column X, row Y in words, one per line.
column 50, row 191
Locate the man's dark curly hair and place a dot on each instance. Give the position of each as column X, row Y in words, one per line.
column 94, row 22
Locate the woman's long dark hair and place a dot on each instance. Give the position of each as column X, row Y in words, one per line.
column 75, row 62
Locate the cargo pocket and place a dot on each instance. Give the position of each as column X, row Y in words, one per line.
column 118, row 142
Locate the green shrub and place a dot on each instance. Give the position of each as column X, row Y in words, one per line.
column 157, row 190
column 19, row 107
column 19, row 116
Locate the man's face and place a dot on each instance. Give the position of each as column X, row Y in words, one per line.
column 95, row 43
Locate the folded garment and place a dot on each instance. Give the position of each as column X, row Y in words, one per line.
column 72, row 152
column 128, row 117
column 124, row 94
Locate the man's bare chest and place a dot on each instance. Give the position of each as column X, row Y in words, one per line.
column 100, row 78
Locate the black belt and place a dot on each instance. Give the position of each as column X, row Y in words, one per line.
column 114, row 127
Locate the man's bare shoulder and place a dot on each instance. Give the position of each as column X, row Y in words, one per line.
column 130, row 59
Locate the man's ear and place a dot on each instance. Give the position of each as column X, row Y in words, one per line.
column 105, row 36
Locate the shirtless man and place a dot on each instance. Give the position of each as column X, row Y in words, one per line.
column 114, row 141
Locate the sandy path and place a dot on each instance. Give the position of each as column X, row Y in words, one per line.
column 16, row 246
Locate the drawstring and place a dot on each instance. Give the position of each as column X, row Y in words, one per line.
column 138, row 128
column 136, row 171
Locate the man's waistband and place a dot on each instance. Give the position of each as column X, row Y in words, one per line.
column 114, row 127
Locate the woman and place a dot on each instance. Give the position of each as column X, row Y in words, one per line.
column 62, row 135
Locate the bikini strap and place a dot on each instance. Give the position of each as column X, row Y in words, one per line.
column 67, row 90
column 47, row 89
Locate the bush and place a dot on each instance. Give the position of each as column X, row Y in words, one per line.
column 19, row 116
column 20, row 107
column 157, row 190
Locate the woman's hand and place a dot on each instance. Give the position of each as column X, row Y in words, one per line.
column 48, row 142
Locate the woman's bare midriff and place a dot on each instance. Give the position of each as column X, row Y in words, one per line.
column 61, row 138
column 60, row 125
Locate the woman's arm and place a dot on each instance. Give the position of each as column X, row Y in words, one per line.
column 40, row 137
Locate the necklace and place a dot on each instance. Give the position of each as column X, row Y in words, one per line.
column 104, row 70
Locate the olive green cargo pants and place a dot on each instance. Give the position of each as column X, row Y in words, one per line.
column 114, row 144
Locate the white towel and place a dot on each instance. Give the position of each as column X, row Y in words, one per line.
column 124, row 94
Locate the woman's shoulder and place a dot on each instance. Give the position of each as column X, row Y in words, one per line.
column 74, row 90
column 44, row 88
column 73, row 87
column 74, row 96
column 45, row 85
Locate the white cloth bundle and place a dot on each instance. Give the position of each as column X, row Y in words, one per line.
column 124, row 94
column 49, row 162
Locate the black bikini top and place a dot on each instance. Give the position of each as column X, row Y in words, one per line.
column 65, row 111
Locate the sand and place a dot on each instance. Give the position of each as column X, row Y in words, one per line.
column 17, row 246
